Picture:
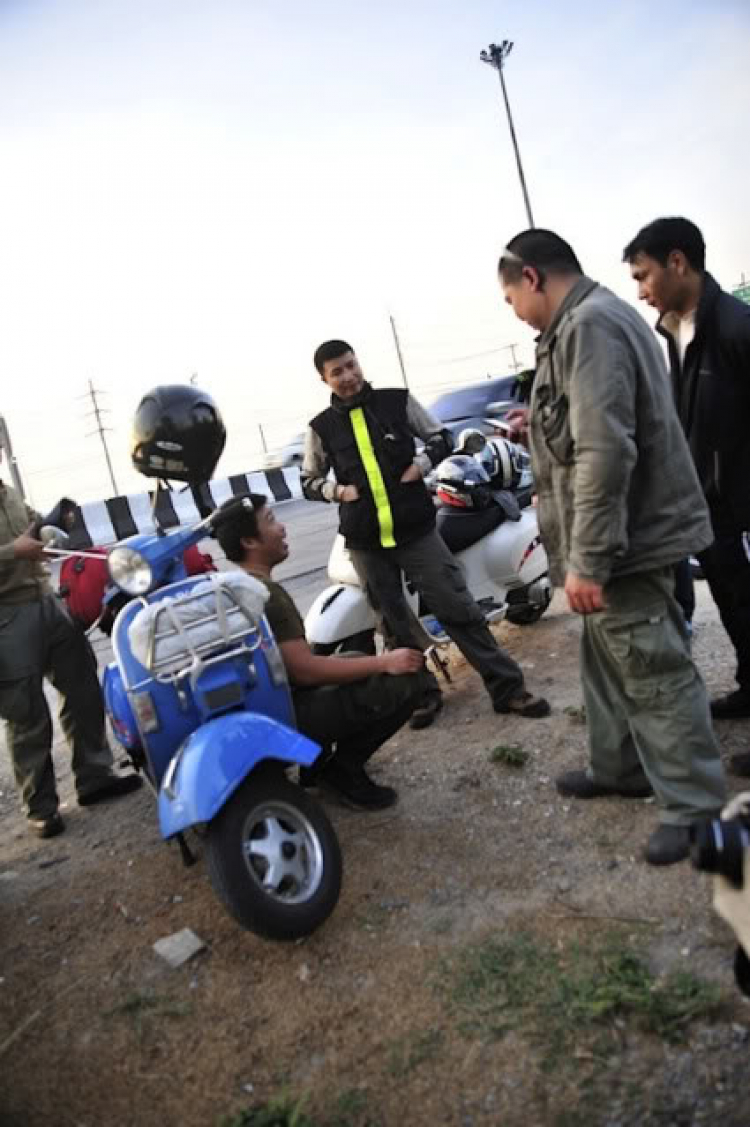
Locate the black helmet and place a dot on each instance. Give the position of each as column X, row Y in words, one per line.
column 463, row 482
column 178, row 434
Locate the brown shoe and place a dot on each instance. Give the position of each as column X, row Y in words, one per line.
column 524, row 703
column 50, row 826
column 426, row 712
column 115, row 786
column 579, row 784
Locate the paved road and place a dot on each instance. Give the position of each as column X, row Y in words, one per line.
column 311, row 528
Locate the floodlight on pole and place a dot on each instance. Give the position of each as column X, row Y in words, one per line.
column 495, row 56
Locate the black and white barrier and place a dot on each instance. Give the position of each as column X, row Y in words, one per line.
column 105, row 522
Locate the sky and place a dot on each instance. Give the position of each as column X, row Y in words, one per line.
column 209, row 190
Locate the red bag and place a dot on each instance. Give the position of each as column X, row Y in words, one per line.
column 83, row 582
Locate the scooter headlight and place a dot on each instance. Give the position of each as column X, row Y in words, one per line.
column 130, row 571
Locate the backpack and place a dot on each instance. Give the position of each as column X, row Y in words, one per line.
column 84, row 581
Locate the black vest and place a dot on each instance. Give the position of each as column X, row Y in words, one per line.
column 412, row 510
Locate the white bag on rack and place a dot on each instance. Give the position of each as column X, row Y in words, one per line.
column 224, row 603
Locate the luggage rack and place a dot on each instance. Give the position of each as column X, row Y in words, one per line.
column 183, row 644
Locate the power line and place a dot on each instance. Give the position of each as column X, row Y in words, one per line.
column 101, row 430
column 398, row 351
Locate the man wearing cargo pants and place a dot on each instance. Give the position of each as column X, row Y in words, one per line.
column 619, row 505
column 349, row 704
column 38, row 640
column 387, row 518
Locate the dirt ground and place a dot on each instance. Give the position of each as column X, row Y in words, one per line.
column 441, row 989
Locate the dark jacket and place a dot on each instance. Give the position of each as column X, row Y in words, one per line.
column 392, row 437
column 618, row 493
column 712, row 394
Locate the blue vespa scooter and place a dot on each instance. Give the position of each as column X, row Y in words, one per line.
column 198, row 696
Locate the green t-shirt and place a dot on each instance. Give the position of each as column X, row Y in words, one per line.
column 283, row 616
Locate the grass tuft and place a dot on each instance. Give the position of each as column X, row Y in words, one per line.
column 510, row 755
column 280, row 1111
column 554, row 997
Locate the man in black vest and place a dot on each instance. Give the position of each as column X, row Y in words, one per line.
column 387, row 518
column 708, row 336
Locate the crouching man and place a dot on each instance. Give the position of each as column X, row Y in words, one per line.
column 349, row 705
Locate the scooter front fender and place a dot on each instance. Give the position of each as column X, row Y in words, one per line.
column 338, row 612
column 216, row 758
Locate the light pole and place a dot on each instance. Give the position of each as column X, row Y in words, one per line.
column 495, row 56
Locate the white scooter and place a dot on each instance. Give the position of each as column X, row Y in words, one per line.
column 497, row 545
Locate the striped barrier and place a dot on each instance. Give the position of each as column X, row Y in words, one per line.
column 105, row 522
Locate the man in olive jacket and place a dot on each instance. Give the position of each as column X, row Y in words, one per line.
column 619, row 504
column 38, row 640
column 708, row 337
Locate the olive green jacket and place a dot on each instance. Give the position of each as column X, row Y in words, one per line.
column 617, row 488
column 21, row 581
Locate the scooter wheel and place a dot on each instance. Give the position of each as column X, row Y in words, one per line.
column 524, row 615
column 273, row 858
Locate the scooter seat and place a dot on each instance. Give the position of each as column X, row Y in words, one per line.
column 460, row 530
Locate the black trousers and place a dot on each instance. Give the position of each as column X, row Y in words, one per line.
column 727, row 570
column 352, row 721
column 436, row 575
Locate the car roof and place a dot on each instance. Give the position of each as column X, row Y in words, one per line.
column 472, row 399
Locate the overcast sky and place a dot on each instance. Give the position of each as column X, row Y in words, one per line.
column 217, row 187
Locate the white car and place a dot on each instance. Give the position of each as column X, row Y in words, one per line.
column 292, row 453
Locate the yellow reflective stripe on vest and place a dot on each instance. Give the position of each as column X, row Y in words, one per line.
column 374, row 477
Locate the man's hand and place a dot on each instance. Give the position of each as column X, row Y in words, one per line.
column 411, row 473
column 401, row 661
column 27, row 547
column 348, row 493
column 584, row 596
column 518, row 421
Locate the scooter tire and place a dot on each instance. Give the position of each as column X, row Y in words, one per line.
column 525, row 616
column 273, row 858
column 363, row 642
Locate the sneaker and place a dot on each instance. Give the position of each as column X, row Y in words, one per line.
column 113, row 786
column 355, row 788
column 667, row 845
column 49, row 826
column 733, row 706
column 579, row 784
column 524, row 704
column 426, row 712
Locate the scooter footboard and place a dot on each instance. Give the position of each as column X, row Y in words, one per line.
column 216, row 758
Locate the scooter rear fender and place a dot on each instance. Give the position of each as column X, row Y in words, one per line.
column 338, row 612
column 216, row 758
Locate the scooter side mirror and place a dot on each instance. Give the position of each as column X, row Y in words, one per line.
column 53, row 537
column 62, row 517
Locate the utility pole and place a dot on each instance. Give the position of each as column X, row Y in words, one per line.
column 398, row 352
column 495, row 56
column 101, row 429
column 512, row 348
column 5, row 446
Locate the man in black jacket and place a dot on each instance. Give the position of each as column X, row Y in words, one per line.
column 387, row 517
column 708, row 336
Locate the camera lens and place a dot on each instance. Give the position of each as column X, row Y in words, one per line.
column 719, row 847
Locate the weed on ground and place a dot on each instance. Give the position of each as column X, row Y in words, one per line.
column 510, row 755
column 572, row 998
